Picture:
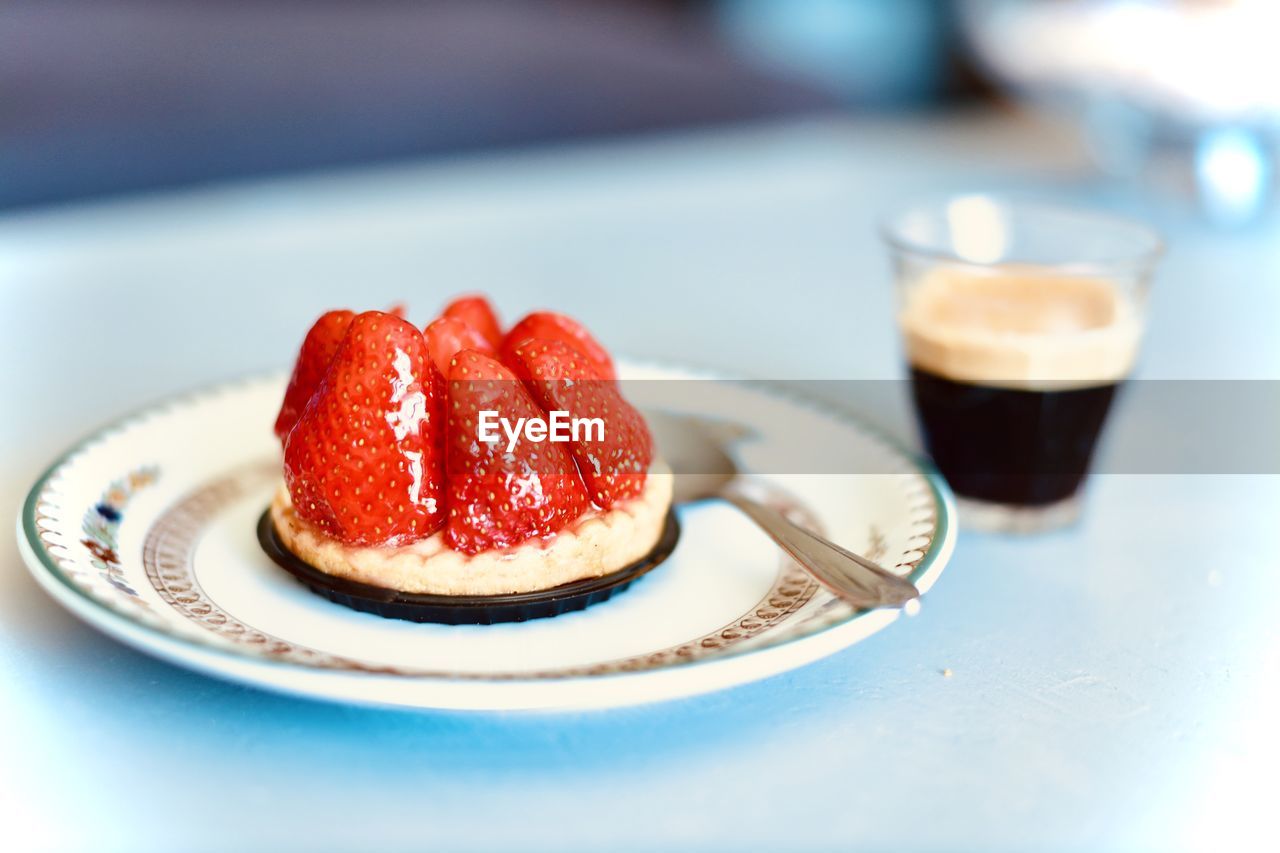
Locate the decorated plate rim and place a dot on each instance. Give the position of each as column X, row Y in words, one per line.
column 173, row 646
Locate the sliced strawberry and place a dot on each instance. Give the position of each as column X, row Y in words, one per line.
column 447, row 336
column 560, row 378
column 361, row 463
column 551, row 326
column 477, row 313
column 317, row 351
column 499, row 498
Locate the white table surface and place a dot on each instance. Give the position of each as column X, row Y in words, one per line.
column 1112, row 686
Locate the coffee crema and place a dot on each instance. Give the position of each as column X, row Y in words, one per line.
column 1013, row 372
column 1020, row 328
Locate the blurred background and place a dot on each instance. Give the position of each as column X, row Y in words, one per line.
column 102, row 97
column 699, row 181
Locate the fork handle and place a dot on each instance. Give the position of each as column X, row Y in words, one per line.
column 855, row 579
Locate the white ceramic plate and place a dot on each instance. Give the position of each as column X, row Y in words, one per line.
column 147, row 531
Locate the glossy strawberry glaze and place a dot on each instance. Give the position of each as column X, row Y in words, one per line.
column 383, row 453
column 318, row 350
column 561, row 379
column 499, row 498
column 550, row 326
column 476, row 312
column 361, row 462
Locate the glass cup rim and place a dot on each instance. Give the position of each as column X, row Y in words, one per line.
column 1149, row 245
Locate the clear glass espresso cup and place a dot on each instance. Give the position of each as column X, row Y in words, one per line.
column 1019, row 322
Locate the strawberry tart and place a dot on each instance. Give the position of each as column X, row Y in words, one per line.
column 459, row 462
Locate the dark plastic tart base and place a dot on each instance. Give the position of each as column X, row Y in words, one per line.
column 465, row 609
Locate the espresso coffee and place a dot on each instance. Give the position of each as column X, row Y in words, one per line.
column 1013, row 372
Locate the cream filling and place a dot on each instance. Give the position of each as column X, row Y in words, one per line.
column 596, row 544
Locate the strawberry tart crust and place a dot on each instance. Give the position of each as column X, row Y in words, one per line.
column 596, row 544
